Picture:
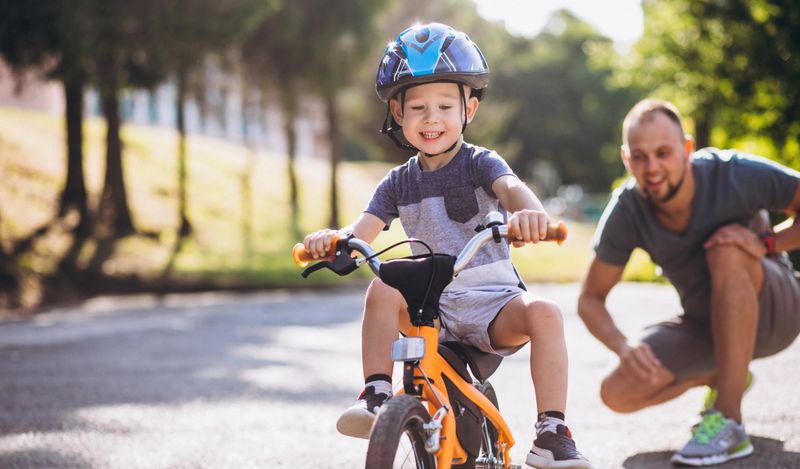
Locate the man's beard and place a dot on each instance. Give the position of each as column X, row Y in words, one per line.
column 671, row 192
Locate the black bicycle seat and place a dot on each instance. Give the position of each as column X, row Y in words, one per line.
column 458, row 355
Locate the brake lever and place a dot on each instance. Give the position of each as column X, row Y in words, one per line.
column 343, row 263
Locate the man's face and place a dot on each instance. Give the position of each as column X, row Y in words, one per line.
column 433, row 115
column 657, row 155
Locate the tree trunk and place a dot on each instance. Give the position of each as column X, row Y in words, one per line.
column 74, row 194
column 702, row 126
column 335, row 138
column 185, row 228
column 290, row 113
column 246, row 177
column 114, row 192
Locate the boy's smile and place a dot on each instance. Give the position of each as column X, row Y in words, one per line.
column 433, row 116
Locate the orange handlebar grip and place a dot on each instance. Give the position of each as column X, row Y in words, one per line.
column 302, row 257
column 556, row 232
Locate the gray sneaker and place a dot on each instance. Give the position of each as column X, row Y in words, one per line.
column 715, row 440
column 556, row 450
column 357, row 420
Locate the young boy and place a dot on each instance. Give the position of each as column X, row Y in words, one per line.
column 433, row 79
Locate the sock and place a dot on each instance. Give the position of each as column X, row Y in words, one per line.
column 380, row 384
column 549, row 421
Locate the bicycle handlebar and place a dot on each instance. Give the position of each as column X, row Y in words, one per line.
column 556, row 232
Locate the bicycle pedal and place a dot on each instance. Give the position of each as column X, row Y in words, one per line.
column 514, row 466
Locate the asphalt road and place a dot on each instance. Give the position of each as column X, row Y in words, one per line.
column 241, row 381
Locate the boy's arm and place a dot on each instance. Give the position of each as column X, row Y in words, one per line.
column 367, row 227
column 528, row 220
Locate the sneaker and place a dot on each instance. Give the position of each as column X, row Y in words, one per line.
column 716, row 440
column 357, row 420
column 556, row 450
column 711, row 393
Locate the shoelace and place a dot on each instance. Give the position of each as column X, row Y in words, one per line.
column 712, row 424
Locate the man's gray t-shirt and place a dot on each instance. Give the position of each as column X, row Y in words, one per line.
column 443, row 208
column 730, row 188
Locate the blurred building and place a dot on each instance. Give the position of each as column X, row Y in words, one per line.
column 219, row 113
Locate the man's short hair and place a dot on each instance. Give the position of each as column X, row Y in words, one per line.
column 644, row 110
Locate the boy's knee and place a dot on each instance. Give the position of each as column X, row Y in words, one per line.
column 378, row 291
column 545, row 314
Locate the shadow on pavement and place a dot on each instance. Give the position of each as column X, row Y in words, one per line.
column 163, row 356
column 41, row 458
column 768, row 453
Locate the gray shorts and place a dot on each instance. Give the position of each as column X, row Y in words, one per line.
column 685, row 346
column 466, row 315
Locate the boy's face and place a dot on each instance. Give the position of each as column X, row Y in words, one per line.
column 433, row 115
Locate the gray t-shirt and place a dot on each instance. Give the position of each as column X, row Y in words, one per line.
column 730, row 188
column 443, row 207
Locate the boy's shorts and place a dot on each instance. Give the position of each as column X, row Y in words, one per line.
column 465, row 316
column 685, row 346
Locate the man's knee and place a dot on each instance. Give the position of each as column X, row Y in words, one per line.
column 616, row 395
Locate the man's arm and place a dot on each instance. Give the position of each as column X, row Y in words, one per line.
column 787, row 235
column 638, row 360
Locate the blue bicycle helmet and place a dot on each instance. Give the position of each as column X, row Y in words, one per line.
column 428, row 53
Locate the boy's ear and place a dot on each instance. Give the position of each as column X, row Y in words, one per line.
column 397, row 112
column 624, row 152
column 472, row 108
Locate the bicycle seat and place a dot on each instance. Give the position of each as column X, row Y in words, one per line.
column 459, row 355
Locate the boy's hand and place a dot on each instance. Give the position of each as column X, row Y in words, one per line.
column 527, row 226
column 318, row 244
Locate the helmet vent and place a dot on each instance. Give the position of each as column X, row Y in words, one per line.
column 423, row 35
column 447, row 41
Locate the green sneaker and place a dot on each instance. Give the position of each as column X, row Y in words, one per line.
column 716, row 440
column 711, row 393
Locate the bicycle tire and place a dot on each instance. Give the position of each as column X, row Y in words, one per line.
column 490, row 447
column 400, row 418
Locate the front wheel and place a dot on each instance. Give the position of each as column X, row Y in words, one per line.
column 397, row 440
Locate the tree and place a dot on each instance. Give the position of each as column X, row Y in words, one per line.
column 334, row 65
column 731, row 65
column 50, row 37
column 195, row 29
column 563, row 109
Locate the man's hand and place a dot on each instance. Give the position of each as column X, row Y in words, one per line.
column 527, row 226
column 639, row 362
column 737, row 235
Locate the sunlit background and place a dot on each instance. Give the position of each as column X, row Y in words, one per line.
column 185, row 145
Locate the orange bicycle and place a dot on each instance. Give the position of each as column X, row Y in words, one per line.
column 443, row 416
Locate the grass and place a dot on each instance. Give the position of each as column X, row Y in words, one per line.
column 32, row 168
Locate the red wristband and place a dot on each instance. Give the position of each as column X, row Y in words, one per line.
column 768, row 239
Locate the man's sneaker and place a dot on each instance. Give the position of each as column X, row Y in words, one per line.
column 715, row 440
column 357, row 420
column 556, row 450
column 711, row 393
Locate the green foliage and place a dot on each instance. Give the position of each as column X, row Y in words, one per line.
column 731, row 65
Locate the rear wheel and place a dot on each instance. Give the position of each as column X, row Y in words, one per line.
column 490, row 457
column 398, row 439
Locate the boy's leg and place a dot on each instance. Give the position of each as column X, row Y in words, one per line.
column 525, row 319
column 384, row 315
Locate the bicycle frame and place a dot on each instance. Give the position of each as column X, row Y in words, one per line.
column 422, row 376
column 430, row 367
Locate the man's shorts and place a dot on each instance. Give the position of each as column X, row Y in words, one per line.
column 686, row 347
column 466, row 315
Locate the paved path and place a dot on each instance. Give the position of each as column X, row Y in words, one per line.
column 239, row 381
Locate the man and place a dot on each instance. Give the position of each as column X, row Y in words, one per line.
column 739, row 294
